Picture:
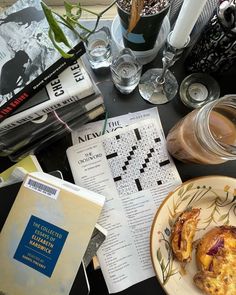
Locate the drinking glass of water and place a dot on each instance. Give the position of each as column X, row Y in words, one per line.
column 126, row 71
column 98, row 48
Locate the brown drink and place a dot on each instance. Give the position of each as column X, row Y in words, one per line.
column 206, row 135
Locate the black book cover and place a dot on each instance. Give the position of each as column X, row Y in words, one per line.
column 28, row 59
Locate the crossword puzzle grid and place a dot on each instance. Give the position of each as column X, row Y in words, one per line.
column 137, row 159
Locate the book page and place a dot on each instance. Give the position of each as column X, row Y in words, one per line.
column 133, row 170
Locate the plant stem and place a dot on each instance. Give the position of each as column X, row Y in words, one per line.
column 71, row 21
column 108, row 7
column 99, row 15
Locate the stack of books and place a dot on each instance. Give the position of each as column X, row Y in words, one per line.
column 42, row 95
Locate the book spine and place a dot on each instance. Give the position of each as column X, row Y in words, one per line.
column 48, row 140
column 38, row 83
column 30, row 131
column 71, row 85
column 30, row 117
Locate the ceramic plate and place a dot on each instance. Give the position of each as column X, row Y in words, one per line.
column 216, row 196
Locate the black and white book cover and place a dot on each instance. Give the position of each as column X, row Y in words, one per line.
column 28, row 59
column 73, row 84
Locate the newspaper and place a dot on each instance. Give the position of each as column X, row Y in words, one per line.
column 133, row 170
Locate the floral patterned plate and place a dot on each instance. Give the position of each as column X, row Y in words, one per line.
column 216, row 196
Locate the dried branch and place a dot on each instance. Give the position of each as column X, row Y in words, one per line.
column 135, row 14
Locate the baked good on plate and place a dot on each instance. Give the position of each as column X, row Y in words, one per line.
column 216, row 260
column 183, row 233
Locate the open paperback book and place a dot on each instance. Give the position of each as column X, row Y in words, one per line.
column 55, row 221
column 132, row 168
column 71, row 85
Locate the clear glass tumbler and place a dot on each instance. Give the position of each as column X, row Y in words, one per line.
column 126, row 71
column 98, row 48
column 206, row 135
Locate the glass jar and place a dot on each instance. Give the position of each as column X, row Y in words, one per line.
column 206, row 135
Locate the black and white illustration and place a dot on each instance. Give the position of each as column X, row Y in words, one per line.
column 26, row 50
column 137, row 159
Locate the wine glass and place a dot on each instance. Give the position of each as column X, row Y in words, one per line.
column 159, row 85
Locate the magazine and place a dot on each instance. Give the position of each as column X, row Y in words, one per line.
column 131, row 167
column 95, row 129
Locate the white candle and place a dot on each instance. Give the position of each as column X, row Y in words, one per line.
column 189, row 13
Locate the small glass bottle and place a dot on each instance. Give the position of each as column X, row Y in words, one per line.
column 206, row 135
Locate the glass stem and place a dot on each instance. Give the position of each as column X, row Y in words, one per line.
column 167, row 61
column 161, row 79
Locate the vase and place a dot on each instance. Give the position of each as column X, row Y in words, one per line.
column 143, row 37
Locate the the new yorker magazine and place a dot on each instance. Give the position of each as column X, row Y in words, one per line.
column 131, row 167
column 28, row 59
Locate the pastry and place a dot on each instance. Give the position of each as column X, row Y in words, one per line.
column 183, row 233
column 216, row 260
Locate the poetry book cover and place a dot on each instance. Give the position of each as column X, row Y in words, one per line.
column 45, row 236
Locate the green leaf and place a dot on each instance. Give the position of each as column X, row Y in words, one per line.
column 167, row 247
column 162, row 263
column 173, row 272
column 186, row 197
column 159, row 255
column 61, row 51
column 223, row 217
column 57, row 33
column 180, row 191
column 68, row 8
column 70, row 17
column 189, row 186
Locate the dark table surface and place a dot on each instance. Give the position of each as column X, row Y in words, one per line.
column 53, row 157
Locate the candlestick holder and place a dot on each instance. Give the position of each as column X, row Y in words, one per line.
column 159, row 85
